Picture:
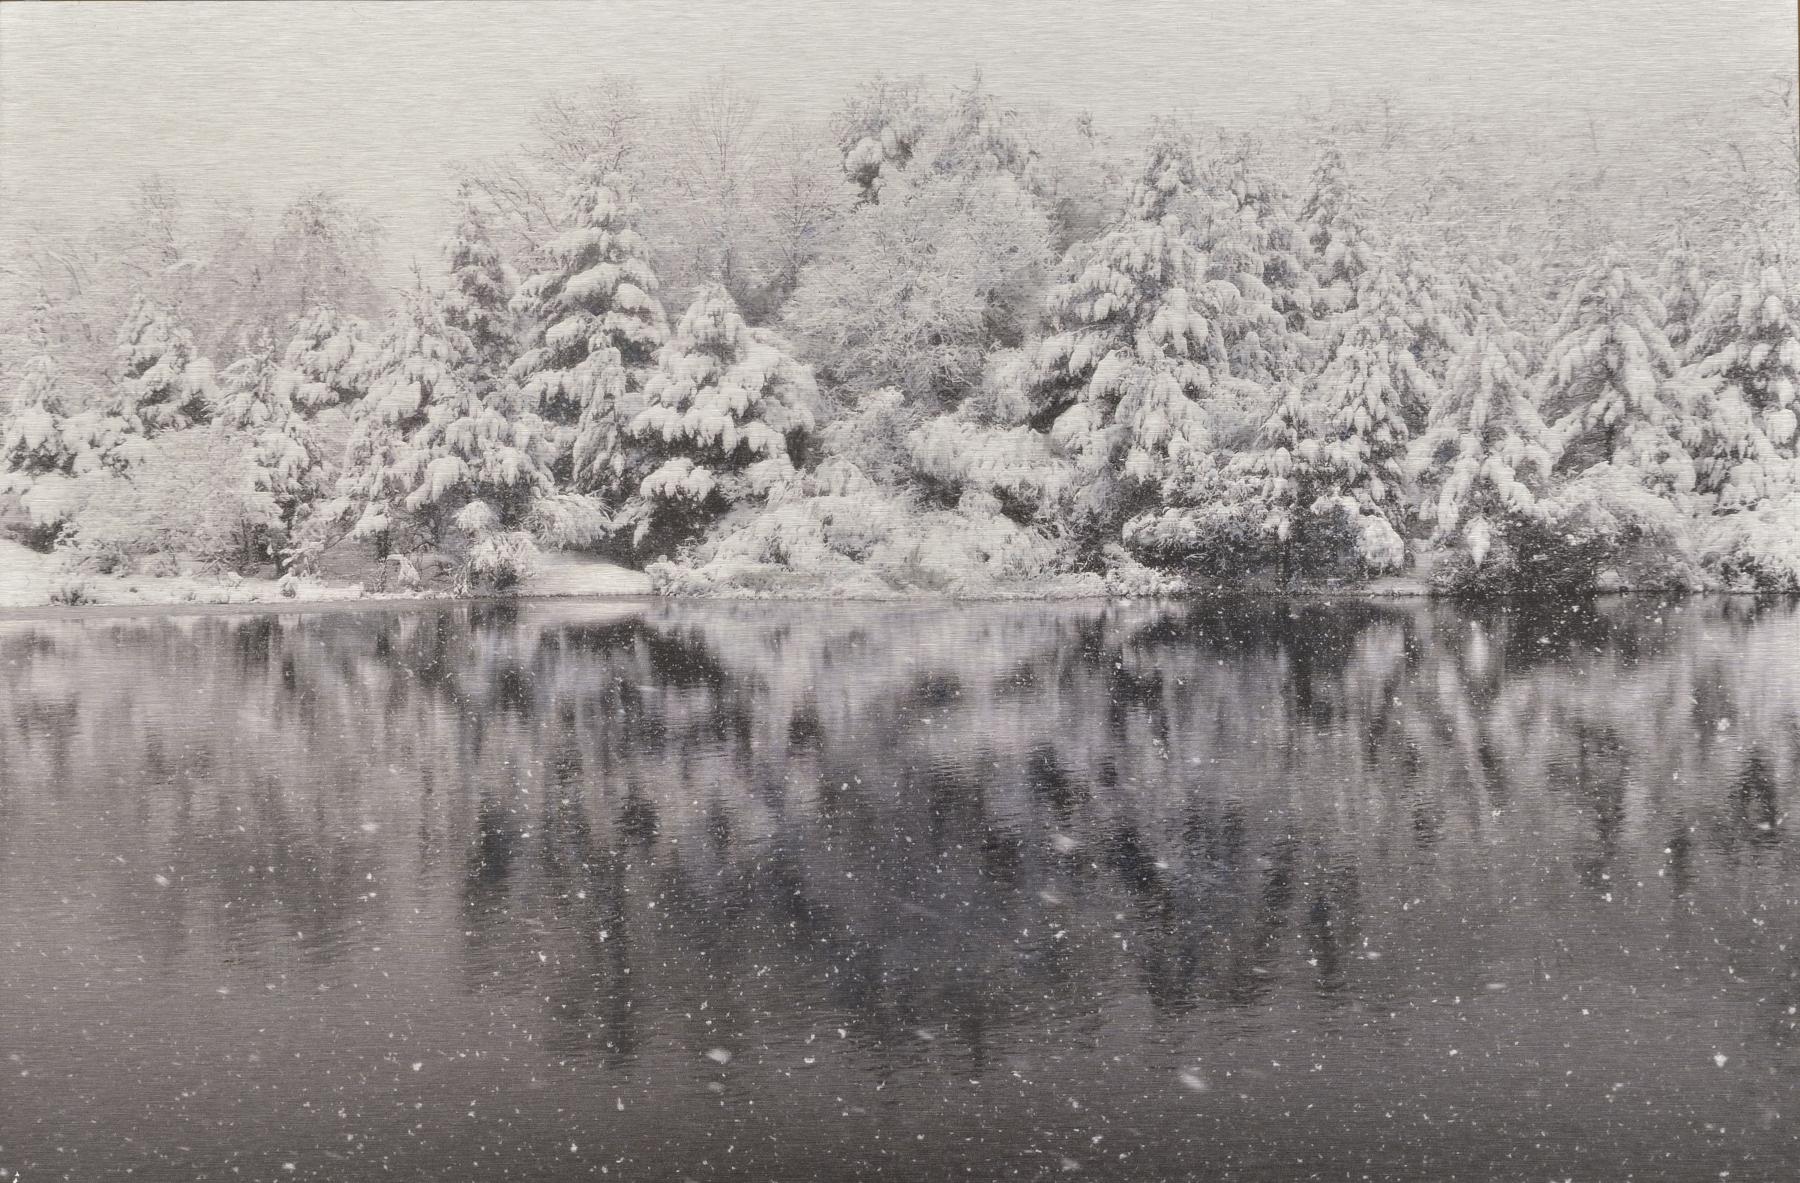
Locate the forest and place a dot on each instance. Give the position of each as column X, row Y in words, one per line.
column 939, row 344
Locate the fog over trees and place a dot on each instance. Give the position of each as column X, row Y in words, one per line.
column 942, row 342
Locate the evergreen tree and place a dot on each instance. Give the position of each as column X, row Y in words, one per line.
column 1369, row 390
column 721, row 411
column 1440, row 311
column 1336, row 228
column 43, row 435
column 593, row 326
column 161, row 386
column 1483, row 453
column 1123, row 381
column 419, row 362
column 476, row 301
column 1286, row 470
column 1741, row 389
column 1251, row 242
column 1604, row 379
column 1685, row 289
column 255, row 401
column 325, row 363
column 47, row 439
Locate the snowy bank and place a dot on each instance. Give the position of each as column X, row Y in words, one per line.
column 29, row 579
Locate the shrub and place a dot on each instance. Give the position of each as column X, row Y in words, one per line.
column 72, row 592
column 1605, row 520
column 1757, row 550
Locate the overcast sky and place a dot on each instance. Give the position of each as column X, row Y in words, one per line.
column 266, row 100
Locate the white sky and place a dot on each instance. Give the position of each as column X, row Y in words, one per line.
column 266, row 100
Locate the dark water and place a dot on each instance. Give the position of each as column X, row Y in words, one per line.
column 1351, row 891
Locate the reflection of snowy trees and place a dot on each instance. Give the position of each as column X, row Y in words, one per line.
column 974, row 823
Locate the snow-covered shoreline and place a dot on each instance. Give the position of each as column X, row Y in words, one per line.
column 566, row 579
column 29, row 580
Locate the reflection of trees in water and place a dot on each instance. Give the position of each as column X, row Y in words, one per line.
column 962, row 822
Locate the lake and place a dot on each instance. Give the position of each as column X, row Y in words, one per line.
column 1333, row 890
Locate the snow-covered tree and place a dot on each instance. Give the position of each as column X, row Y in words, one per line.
column 979, row 134
column 42, row 434
column 1604, row 379
column 1124, row 381
column 1285, row 474
column 475, row 303
column 419, row 363
column 1336, row 226
column 1252, row 242
column 914, row 291
column 592, row 326
column 161, row 384
column 1364, row 397
column 325, row 363
column 1483, row 455
column 195, row 492
column 1742, row 387
column 1685, row 288
column 255, row 401
column 48, row 439
column 877, row 129
column 1441, row 307
column 719, row 414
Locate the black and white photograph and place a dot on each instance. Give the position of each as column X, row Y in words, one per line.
column 670, row 590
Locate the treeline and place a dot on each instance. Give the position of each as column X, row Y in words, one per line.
column 947, row 345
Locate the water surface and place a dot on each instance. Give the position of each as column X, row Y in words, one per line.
column 1328, row 891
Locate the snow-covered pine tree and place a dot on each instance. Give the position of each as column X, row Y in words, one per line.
column 1440, row 313
column 1122, row 382
column 1250, row 241
column 1369, row 391
column 476, row 301
column 592, row 327
column 42, row 434
column 1285, row 474
column 419, row 362
column 256, row 401
column 161, row 384
column 1604, row 380
column 722, row 408
column 46, row 440
column 1742, row 388
column 1483, row 456
column 1685, row 288
column 1336, row 228
column 325, row 363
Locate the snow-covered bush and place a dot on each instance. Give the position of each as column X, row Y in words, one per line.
column 1756, row 550
column 836, row 532
column 1015, row 465
column 1604, row 527
column 197, row 492
column 497, row 560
